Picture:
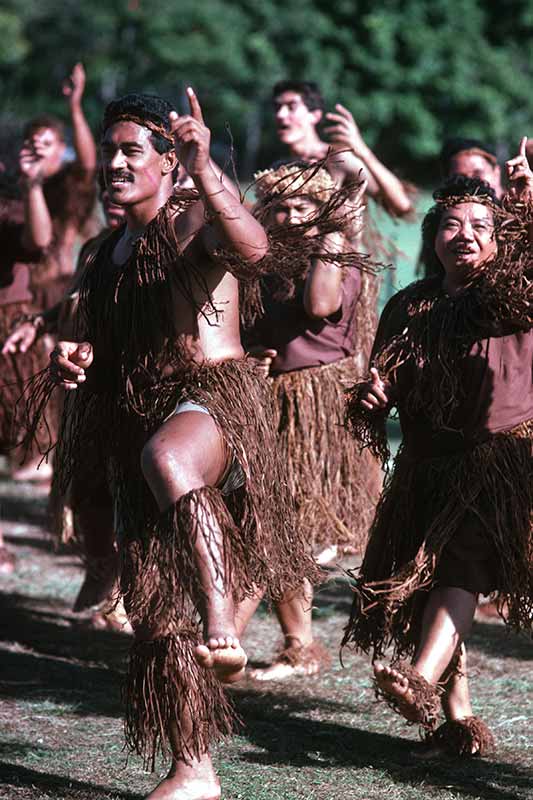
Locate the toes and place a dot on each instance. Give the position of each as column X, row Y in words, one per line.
column 222, row 642
column 203, row 656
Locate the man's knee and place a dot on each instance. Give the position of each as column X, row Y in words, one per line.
column 162, row 466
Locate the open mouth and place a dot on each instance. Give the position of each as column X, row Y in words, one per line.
column 118, row 179
column 462, row 252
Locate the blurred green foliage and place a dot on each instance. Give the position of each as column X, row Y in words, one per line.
column 411, row 71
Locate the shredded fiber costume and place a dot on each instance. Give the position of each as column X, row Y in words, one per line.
column 317, row 359
column 457, row 505
column 15, row 302
column 141, row 374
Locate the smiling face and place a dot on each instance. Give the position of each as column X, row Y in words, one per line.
column 294, row 121
column 133, row 169
column 465, row 238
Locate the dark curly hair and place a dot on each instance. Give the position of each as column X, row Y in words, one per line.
column 145, row 107
column 464, row 190
column 44, row 121
column 308, row 90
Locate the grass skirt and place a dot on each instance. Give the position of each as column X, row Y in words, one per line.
column 432, row 506
column 336, row 485
column 15, row 371
column 261, row 549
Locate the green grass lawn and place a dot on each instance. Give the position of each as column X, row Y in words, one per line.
column 321, row 738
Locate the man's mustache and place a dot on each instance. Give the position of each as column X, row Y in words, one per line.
column 118, row 174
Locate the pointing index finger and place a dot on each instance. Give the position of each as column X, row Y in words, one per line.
column 196, row 111
column 523, row 143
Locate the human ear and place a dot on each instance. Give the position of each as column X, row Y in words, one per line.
column 168, row 162
column 317, row 115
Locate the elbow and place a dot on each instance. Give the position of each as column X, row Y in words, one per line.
column 404, row 207
column 321, row 308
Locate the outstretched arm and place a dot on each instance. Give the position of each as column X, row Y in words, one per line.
column 382, row 182
column 234, row 227
column 38, row 231
column 73, row 89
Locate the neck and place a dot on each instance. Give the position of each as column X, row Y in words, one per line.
column 451, row 284
column 140, row 214
column 309, row 147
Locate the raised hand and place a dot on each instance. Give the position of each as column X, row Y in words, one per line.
column 520, row 175
column 30, row 164
column 374, row 397
column 345, row 131
column 74, row 85
column 68, row 362
column 191, row 137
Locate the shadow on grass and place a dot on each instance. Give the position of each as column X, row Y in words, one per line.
column 45, row 658
column 58, row 786
column 24, row 509
column 496, row 640
column 334, row 597
column 44, row 543
column 306, row 742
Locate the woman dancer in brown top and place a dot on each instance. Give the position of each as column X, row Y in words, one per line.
column 453, row 353
column 306, row 341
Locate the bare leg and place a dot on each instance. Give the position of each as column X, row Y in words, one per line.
column 447, row 620
column 294, row 613
column 93, row 512
column 193, row 780
column 245, row 611
column 188, row 453
column 456, row 698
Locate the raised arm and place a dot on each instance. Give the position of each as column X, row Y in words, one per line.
column 382, row 183
column 38, row 231
column 323, row 285
column 234, row 227
column 84, row 145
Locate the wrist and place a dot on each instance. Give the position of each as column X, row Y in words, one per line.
column 28, row 184
column 205, row 179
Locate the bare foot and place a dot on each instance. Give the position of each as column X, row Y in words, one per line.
column 225, row 656
column 396, row 685
column 296, row 660
column 279, row 671
column 195, row 781
column 111, row 619
column 327, row 555
column 98, row 583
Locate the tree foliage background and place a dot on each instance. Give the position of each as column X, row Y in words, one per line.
column 411, row 71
